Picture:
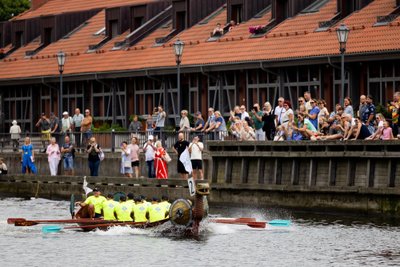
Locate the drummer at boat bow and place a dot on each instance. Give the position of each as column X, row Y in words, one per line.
column 94, row 203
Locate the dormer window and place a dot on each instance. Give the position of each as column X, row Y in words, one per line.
column 180, row 21
column 113, row 28
column 236, row 14
column 19, row 39
column 47, row 36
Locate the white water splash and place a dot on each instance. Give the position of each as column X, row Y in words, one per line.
column 120, row 231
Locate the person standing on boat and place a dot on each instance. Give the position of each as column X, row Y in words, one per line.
column 53, row 156
column 108, row 208
column 124, row 210
column 28, row 157
column 139, row 210
column 93, row 150
column 126, row 165
column 156, row 212
column 94, row 204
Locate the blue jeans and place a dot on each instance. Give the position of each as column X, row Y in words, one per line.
column 94, row 167
column 150, row 168
column 68, row 163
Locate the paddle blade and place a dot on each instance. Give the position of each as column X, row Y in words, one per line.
column 25, row 223
column 13, row 220
column 72, row 206
column 257, row 224
column 280, row 223
column 51, row 229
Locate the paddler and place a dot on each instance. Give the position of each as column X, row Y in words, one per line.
column 94, row 203
column 109, row 208
column 131, row 199
column 156, row 212
column 139, row 210
column 165, row 202
column 124, row 210
column 144, row 200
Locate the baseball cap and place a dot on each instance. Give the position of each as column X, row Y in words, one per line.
column 65, row 113
column 198, row 113
column 151, row 137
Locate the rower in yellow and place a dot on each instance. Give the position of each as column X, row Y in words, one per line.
column 109, row 208
column 139, row 210
column 94, row 203
column 124, row 210
column 156, row 211
column 165, row 203
column 130, row 199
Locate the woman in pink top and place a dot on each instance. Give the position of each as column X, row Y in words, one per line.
column 387, row 133
column 53, row 155
column 134, row 148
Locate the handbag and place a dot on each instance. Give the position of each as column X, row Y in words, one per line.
column 101, row 155
column 127, row 164
column 167, row 158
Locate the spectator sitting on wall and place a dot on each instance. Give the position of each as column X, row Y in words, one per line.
column 3, row 167
column 380, row 119
column 358, row 131
column 218, row 30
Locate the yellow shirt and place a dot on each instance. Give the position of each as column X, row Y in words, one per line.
column 139, row 212
column 166, row 205
column 108, row 209
column 156, row 212
column 124, row 210
column 132, row 202
column 97, row 202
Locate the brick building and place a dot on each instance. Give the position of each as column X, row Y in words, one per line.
column 120, row 60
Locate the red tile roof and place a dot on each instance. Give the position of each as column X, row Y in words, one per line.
column 293, row 38
column 53, row 7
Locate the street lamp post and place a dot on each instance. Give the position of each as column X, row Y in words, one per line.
column 342, row 35
column 61, row 62
column 178, row 49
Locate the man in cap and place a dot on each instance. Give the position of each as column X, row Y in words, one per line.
column 94, row 203
column 199, row 125
column 150, row 151
column 66, row 124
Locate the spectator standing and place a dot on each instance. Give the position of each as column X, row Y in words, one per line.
column 288, row 116
column 348, row 108
column 77, row 121
column 55, row 126
column 220, row 126
column 15, row 132
column 269, row 121
column 307, row 98
column 150, row 150
column 363, row 106
column 68, row 152
column 243, row 113
column 279, row 111
column 93, row 150
column 199, row 124
column 313, row 114
column 256, row 115
column 184, row 124
column 196, row 150
column 160, row 122
column 3, row 167
column 28, row 157
column 134, row 156
column 86, row 127
column 369, row 115
column 149, row 125
column 66, row 125
column 53, row 156
column 44, row 125
column 394, row 109
column 180, row 146
column 126, row 163
column 161, row 168
column 135, row 126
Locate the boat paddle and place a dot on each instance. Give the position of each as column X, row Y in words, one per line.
column 58, row 228
column 24, row 222
column 252, row 223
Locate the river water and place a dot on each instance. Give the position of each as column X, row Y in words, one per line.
column 324, row 240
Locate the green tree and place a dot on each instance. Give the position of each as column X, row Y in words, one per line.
column 10, row 8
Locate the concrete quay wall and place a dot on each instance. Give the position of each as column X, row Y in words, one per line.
column 356, row 176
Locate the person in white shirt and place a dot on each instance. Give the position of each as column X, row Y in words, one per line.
column 66, row 126
column 149, row 152
column 77, row 120
column 279, row 111
column 15, row 132
column 196, row 149
column 244, row 113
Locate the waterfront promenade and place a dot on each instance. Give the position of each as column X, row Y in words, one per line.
column 352, row 176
